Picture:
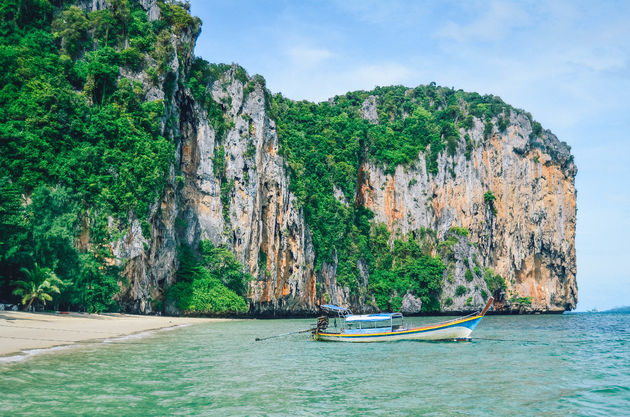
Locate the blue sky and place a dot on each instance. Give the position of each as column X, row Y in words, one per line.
column 566, row 62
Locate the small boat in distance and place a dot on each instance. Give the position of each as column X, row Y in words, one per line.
column 387, row 327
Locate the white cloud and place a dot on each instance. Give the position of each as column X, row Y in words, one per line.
column 493, row 25
column 557, row 61
column 319, row 84
column 378, row 12
column 387, row 73
column 599, row 57
column 304, row 56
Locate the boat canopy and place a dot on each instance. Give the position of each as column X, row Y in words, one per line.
column 336, row 309
column 373, row 317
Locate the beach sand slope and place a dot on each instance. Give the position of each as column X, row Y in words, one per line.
column 21, row 331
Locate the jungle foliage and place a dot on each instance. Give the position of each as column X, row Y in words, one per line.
column 79, row 141
column 210, row 282
column 406, row 268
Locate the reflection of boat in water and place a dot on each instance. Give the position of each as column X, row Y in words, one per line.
column 385, row 327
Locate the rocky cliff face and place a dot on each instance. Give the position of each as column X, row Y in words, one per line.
column 529, row 238
column 255, row 214
column 234, row 189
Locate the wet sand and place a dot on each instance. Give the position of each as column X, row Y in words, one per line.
column 21, row 331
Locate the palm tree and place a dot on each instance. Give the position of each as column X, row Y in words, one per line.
column 38, row 285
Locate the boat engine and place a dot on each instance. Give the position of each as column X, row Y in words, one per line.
column 322, row 323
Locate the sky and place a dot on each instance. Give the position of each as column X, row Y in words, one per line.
column 566, row 62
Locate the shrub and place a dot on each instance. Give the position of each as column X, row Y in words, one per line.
column 467, row 123
column 502, row 123
column 221, row 262
column 494, row 281
column 451, row 145
column 487, row 130
column 489, row 199
column 403, row 269
column 526, row 301
column 468, row 275
column 249, row 88
column 71, row 27
column 470, row 146
column 95, row 286
column 459, row 231
column 216, row 285
column 448, row 302
column 446, row 246
column 460, row 290
column 536, row 129
column 132, row 58
column 259, row 79
column 251, row 150
column 176, row 16
column 241, row 75
column 163, row 52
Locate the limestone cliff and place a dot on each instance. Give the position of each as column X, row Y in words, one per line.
column 529, row 238
column 231, row 185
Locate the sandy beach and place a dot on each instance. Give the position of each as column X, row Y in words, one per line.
column 21, row 331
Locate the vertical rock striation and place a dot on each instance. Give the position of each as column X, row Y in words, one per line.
column 257, row 216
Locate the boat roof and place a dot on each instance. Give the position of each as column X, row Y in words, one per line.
column 336, row 309
column 332, row 307
column 373, row 317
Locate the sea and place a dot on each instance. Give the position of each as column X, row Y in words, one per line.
column 538, row 365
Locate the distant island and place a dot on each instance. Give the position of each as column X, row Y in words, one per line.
column 624, row 310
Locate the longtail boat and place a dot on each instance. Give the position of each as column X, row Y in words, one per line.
column 387, row 327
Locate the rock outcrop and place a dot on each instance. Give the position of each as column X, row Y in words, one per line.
column 526, row 233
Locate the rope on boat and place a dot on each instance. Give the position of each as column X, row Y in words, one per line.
column 322, row 324
column 260, row 339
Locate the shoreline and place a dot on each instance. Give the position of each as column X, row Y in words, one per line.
column 23, row 334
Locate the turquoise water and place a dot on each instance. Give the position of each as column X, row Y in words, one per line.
column 576, row 364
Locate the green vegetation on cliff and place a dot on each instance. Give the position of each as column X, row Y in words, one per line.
column 325, row 145
column 495, row 282
column 78, row 140
column 213, row 283
column 406, row 268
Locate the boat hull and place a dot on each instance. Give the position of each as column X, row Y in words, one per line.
column 444, row 331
